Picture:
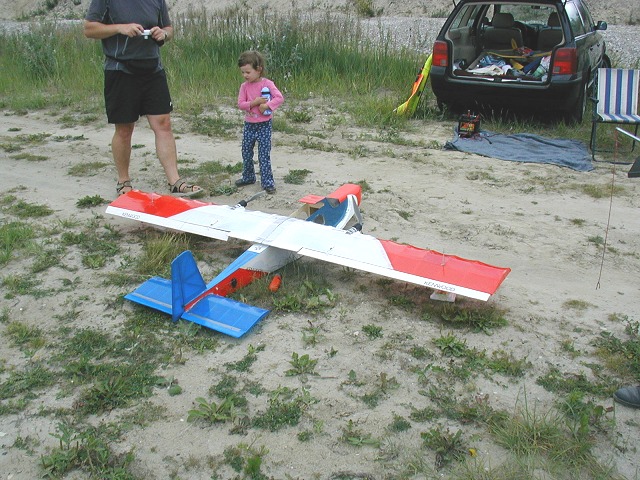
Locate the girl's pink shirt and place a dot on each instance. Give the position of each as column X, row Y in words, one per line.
column 249, row 91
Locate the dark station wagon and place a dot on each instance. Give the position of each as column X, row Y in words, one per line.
column 522, row 55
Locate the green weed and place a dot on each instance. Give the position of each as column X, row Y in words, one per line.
column 372, row 331
column 301, row 365
column 212, row 412
column 399, row 424
column 451, row 346
column 448, row 446
column 355, row 437
column 286, row 408
column 249, row 359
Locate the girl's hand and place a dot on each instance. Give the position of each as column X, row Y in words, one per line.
column 264, row 107
column 258, row 101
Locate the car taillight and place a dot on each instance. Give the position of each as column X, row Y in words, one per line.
column 440, row 54
column 565, row 61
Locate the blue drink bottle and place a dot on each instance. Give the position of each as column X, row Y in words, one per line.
column 266, row 93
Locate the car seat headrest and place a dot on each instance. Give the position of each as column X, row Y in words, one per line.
column 554, row 20
column 502, row 20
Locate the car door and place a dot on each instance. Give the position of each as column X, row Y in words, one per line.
column 596, row 46
column 586, row 41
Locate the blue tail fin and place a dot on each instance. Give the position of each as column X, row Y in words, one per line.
column 186, row 283
column 212, row 311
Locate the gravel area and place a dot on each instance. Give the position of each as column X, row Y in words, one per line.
column 419, row 33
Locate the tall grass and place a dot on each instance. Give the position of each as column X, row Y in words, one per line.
column 330, row 55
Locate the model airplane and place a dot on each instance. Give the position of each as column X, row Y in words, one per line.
column 330, row 231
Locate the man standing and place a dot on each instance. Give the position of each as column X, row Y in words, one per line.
column 135, row 83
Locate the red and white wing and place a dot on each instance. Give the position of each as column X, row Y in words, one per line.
column 428, row 268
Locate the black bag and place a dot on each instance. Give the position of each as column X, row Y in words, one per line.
column 143, row 66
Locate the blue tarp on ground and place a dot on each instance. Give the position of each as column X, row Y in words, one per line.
column 526, row 147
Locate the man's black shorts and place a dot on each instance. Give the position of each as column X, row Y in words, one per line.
column 128, row 97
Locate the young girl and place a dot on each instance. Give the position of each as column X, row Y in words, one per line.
column 259, row 97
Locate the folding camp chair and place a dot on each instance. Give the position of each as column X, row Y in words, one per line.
column 616, row 101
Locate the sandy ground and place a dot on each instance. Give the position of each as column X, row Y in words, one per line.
column 531, row 218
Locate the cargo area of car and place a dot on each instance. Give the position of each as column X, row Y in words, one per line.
column 495, row 43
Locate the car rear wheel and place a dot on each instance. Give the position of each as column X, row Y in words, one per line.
column 576, row 113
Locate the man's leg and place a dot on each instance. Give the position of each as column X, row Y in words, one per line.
column 165, row 145
column 121, row 150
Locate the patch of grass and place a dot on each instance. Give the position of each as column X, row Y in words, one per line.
column 399, row 424
column 26, row 382
column 14, row 236
column 423, row 415
column 86, row 450
column 46, row 258
column 302, row 292
column 91, row 201
column 249, row 359
column 621, row 356
column 299, row 115
column 30, row 157
column 576, row 305
column 98, row 243
column 23, row 285
column 213, row 125
column 296, row 177
column 116, row 386
column 28, row 338
column 478, row 318
column 556, row 381
column 402, row 301
column 600, row 191
column 86, row 169
column 531, row 433
column 158, row 252
column 23, row 209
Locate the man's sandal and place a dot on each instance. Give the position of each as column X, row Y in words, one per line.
column 120, row 187
column 184, row 189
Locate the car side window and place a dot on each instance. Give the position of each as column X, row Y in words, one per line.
column 586, row 17
column 465, row 17
column 575, row 20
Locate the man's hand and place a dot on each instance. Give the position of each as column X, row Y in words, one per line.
column 130, row 29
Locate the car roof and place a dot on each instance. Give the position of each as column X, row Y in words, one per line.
column 524, row 2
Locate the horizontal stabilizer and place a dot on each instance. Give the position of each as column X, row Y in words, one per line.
column 218, row 313
column 154, row 293
column 225, row 315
